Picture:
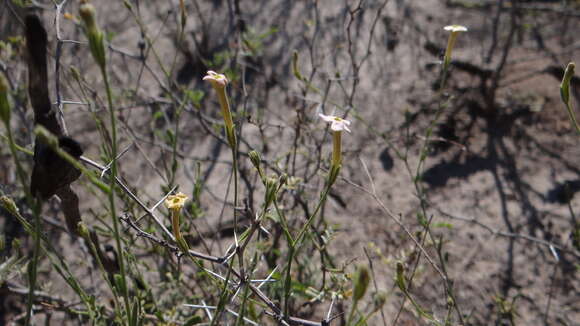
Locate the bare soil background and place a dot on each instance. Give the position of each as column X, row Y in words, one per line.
column 500, row 176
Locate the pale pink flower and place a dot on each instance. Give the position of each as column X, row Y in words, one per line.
column 336, row 123
column 216, row 80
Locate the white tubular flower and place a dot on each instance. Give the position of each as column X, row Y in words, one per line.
column 336, row 123
column 455, row 28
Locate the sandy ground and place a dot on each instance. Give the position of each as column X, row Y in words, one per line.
column 494, row 179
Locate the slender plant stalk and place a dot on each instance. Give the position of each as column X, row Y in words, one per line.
column 294, row 247
column 112, row 177
column 352, row 311
column 419, row 171
column 35, row 205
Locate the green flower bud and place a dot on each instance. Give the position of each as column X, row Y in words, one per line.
column 565, row 85
column 379, row 300
column 8, row 204
column 119, row 282
column 87, row 13
column 94, row 34
column 255, row 159
column 295, row 69
column 4, row 104
column 361, row 282
column 83, row 231
column 271, row 190
column 283, row 179
column 400, row 280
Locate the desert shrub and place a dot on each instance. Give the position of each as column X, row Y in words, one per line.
column 294, row 163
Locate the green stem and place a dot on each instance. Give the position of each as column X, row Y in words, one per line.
column 225, row 106
column 112, row 177
column 32, row 268
column 223, row 297
column 174, row 144
column 431, row 127
column 50, row 252
column 337, row 148
column 288, row 281
column 231, row 137
column 419, row 171
column 294, row 246
column 19, row 169
column 572, row 117
column 32, row 271
column 235, row 168
column 242, row 312
column 175, row 224
column 450, row 44
column 351, row 315
column 321, row 202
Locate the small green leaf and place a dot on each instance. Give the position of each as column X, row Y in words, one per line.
column 401, row 276
column 443, row 225
column 361, row 282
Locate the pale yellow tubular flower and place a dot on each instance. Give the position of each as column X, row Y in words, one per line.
column 176, row 202
column 219, row 83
